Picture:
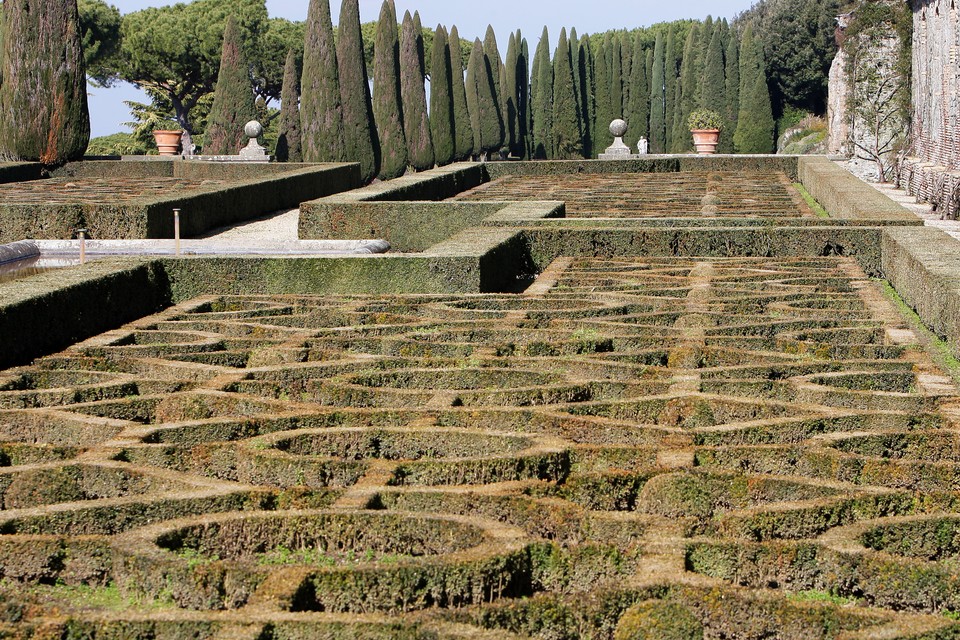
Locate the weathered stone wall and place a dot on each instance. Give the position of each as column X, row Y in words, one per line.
column 868, row 90
column 933, row 171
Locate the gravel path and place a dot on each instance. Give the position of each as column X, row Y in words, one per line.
column 280, row 225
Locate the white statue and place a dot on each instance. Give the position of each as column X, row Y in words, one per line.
column 643, row 147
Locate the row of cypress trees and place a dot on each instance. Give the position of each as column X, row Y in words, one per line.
column 555, row 106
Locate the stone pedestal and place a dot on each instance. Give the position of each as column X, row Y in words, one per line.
column 618, row 150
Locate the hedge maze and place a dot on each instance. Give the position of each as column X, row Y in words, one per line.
column 740, row 447
column 634, row 446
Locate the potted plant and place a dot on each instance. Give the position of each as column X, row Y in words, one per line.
column 149, row 121
column 168, row 141
column 705, row 125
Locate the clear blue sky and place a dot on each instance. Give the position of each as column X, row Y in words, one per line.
column 108, row 112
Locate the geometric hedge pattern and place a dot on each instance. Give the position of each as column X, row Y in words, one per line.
column 632, row 448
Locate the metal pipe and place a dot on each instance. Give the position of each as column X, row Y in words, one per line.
column 82, row 233
column 176, row 231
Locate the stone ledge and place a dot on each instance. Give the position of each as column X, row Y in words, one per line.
column 846, row 197
column 923, row 265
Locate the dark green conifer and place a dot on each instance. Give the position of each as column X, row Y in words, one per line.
column 43, row 98
column 626, row 69
column 527, row 101
column 689, row 94
column 755, row 123
column 387, row 104
column 543, row 100
column 492, row 51
column 288, row 138
column 585, row 71
column 441, row 99
column 481, row 101
column 712, row 81
column 724, row 28
column 638, row 111
column 462, row 127
column 233, row 100
column 361, row 142
column 511, row 98
column 575, row 63
column 321, row 113
column 658, row 123
column 567, row 136
column 704, row 34
column 615, row 79
column 670, row 75
column 603, row 113
column 416, row 124
column 732, row 107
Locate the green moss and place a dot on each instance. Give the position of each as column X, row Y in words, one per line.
column 822, row 596
column 940, row 349
column 811, row 201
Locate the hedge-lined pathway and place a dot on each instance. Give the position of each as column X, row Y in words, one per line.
column 743, row 448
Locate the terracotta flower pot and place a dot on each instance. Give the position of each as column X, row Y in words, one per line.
column 168, row 141
column 706, row 140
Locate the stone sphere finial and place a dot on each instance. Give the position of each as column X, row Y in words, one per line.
column 618, row 128
column 253, row 129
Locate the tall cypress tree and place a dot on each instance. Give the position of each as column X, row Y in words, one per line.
column 755, row 123
column 732, row 107
column 638, row 112
column 481, row 100
column 713, row 86
column 462, row 127
column 233, row 102
column 321, row 113
column 527, row 104
column 567, row 136
column 670, row 74
column 616, row 79
column 585, row 71
column 658, row 124
column 575, row 64
column 492, row 51
column 416, row 124
column 441, row 99
column 689, row 95
column 288, row 138
column 603, row 113
column 705, row 34
column 625, row 43
column 361, row 142
column 724, row 28
column 43, row 98
column 543, row 100
column 387, row 104
column 511, row 100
